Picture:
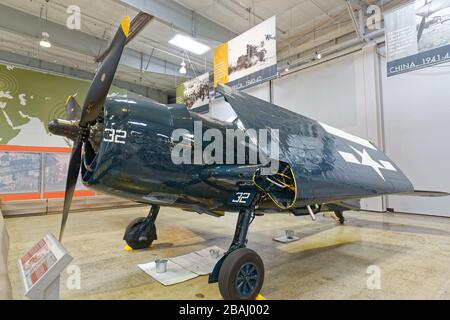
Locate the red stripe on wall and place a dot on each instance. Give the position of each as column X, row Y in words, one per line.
column 34, row 149
column 47, row 195
column 57, row 195
column 17, row 197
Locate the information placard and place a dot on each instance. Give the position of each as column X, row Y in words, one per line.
column 41, row 266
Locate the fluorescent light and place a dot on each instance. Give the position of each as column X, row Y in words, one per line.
column 45, row 42
column 189, row 44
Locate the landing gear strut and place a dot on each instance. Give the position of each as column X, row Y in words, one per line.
column 141, row 232
column 240, row 273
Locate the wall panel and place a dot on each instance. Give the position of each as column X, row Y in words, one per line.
column 417, row 133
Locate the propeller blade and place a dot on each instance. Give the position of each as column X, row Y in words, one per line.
column 92, row 108
column 72, row 178
column 73, row 109
column 101, row 84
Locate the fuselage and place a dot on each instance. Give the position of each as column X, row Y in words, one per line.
column 134, row 160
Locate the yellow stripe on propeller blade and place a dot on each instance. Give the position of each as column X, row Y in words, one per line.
column 125, row 24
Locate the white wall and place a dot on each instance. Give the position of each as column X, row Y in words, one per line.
column 326, row 92
column 416, row 109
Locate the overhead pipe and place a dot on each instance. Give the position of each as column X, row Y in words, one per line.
column 334, row 49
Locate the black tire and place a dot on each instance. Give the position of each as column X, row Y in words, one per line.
column 248, row 266
column 141, row 243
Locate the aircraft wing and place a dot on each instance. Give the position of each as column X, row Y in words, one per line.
column 426, row 194
column 329, row 164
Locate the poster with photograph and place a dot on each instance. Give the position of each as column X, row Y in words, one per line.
column 418, row 35
column 19, row 172
column 248, row 59
column 56, row 166
column 196, row 92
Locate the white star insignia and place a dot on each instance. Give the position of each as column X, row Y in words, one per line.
column 368, row 161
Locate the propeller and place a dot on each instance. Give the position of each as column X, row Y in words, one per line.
column 78, row 130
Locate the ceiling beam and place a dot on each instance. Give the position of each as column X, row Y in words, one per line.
column 41, row 65
column 182, row 19
column 355, row 21
column 22, row 23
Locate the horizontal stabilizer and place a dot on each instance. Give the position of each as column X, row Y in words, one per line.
column 433, row 194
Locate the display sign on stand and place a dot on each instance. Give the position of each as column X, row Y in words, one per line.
column 40, row 269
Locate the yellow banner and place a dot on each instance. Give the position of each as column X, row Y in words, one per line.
column 221, row 65
column 180, row 93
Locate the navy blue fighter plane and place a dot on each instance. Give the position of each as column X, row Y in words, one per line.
column 123, row 147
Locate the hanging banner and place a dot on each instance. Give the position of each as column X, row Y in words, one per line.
column 180, row 93
column 221, row 65
column 249, row 59
column 195, row 93
column 418, row 36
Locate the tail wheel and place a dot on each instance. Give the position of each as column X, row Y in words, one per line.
column 242, row 275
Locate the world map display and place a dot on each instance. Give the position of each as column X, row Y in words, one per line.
column 28, row 101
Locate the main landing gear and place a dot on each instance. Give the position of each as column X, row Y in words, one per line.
column 240, row 273
column 141, row 232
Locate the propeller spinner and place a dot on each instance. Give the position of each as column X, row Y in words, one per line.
column 77, row 129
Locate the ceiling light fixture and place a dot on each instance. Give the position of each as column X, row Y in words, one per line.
column 45, row 40
column 183, row 69
column 318, row 56
column 189, row 44
column 287, row 67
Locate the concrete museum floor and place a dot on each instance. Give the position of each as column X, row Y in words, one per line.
column 329, row 262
